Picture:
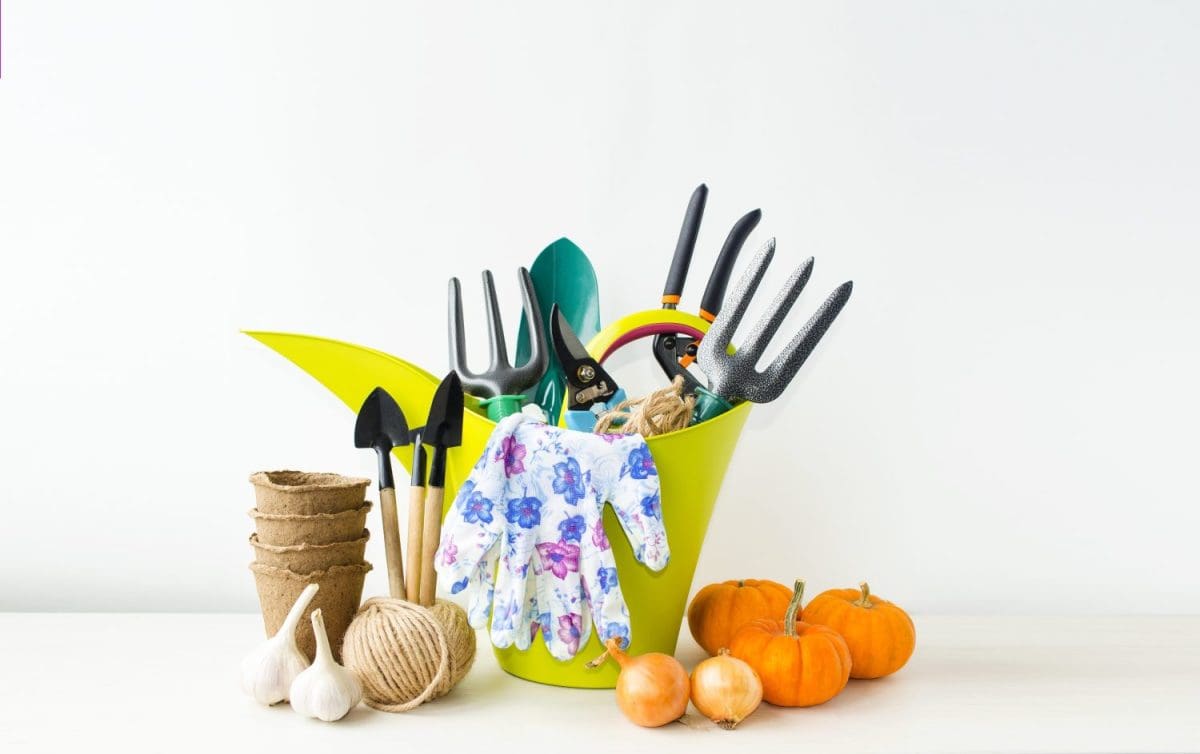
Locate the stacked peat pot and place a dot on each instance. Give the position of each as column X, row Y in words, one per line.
column 309, row 529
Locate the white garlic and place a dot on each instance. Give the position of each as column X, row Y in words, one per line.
column 268, row 672
column 326, row 691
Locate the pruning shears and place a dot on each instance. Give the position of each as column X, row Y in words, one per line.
column 675, row 353
column 590, row 389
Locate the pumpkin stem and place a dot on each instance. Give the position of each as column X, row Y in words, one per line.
column 741, row 583
column 865, row 599
column 789, row 619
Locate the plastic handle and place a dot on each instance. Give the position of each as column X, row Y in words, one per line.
column 718, row 279
column 584, row 420
column 684, row 247
column 708, row 405
column 642, row 324
column 502, row 406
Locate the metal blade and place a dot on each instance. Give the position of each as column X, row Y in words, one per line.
column 587, row 382
column 443, row 428
column 566, row 344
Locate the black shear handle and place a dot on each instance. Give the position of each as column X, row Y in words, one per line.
column 718, row 279
column 684, row 247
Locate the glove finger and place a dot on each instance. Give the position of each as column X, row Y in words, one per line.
column 483, row 584
column 469, row 533
column 508, row 600
column 560, row 593
column 523, row 517
column 526, row 626
column 608, row 610
column 639, row 509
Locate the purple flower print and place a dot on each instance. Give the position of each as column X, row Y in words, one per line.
column 640, row 463
column 607, row 578
column 599, row 536
column 651, row 506
column 568, row 480
column 570, row 628
column 513, row 454
column 559, row 558
column 615, row 630
column 611, row 438
column 572, row 529
column 450, row 553
column 476, row 508
column 526, row 512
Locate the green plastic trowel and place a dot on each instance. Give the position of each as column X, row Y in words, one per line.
column 562, row 274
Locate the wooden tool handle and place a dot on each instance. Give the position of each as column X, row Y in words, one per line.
column 391, row 542
column 431, row 538
column 416, row 525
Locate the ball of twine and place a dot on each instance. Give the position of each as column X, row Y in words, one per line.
column 659, row 412
column 405, row 654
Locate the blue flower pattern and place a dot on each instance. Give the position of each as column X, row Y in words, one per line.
column 573, row 528
column 526, row 512
column 651, row 506
column 616, row 630
column 552, row 504
column 607, row 578
column 640, row 463
column 476, row 508
column 569, row 481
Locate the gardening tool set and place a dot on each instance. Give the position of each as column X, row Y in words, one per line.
column 533, row 502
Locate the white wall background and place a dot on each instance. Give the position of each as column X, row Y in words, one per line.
column 1003, row 420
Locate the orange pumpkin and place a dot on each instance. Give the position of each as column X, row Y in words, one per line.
column 880, row 635
column 800, row 664
column 719, row 610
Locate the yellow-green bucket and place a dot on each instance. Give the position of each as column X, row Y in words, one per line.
column 691, row 465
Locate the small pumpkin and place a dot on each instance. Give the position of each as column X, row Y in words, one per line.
column 880, row 635
column 719, row 610
column 800, row 664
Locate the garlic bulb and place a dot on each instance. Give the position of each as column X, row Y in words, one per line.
column 268, row 672
column 326, row 691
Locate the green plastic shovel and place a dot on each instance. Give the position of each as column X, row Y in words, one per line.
column 563, row 275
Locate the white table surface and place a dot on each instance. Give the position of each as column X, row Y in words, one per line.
column 169, row 683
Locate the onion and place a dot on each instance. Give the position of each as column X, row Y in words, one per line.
column 652, row 689
column 725, row 689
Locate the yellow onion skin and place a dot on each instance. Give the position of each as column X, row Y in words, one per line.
column 725, row 689
column 652, row 689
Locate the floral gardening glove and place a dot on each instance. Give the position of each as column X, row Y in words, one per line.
column 534, row 501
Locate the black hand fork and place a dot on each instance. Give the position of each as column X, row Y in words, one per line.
column 734, row 376
column 501, row 384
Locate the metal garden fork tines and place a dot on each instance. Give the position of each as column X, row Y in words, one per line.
column 734, row 376
column 501, row 384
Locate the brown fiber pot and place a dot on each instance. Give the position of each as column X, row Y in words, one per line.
column 338, row 595
column 306, row 557
column 283, row 529
column 305, row 493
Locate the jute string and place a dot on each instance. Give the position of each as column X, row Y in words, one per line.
column 659, row 412
column 404, row 654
